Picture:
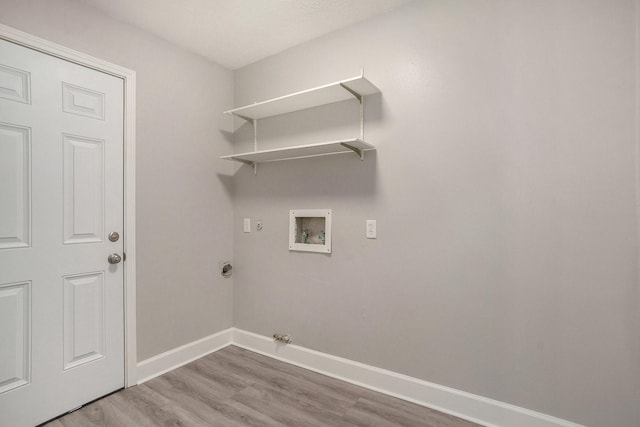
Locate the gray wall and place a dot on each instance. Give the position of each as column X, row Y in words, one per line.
column 184, row 207
column 504, row 186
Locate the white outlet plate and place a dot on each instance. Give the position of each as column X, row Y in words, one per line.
column 247, row 225
column 372, row 231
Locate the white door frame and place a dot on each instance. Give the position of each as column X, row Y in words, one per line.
column 129, row 77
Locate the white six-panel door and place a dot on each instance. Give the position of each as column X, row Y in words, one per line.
column 61, row 194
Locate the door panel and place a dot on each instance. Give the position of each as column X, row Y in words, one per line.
column 15, row 314
column 15, row 84
column 61, row 192
column 83, row 101
column 15, row 186
column 83, row 189
column 84, row 328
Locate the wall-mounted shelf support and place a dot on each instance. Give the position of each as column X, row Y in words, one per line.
column 352, row 92
column 249, row 119
column 356, row 87
column 358, row 151
column 246, row 162
column 254, row 165
column 360, row 99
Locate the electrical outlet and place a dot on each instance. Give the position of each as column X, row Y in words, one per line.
column 247, row 225
column 372, row 231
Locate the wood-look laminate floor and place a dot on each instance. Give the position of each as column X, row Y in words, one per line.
column 236, row 387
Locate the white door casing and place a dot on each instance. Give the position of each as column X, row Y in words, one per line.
column 61, row 324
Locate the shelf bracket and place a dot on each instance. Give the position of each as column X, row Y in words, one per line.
column 352, row 92
column 246, row 162
column 254, row 165
column 360, row 101
column 254, row 122
column 250, row 120
column 356, row 150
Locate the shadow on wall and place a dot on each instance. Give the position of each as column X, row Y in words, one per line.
column 326, row 177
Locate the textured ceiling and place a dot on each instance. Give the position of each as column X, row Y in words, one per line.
column 235, row 33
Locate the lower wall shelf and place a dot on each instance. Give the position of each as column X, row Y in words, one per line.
column 302, row 151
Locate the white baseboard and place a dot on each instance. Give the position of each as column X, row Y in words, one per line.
column 468, row 406
column 172, row 359
column 471, row 407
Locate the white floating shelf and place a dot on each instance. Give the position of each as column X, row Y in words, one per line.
column 301, row 151
column 353, row 88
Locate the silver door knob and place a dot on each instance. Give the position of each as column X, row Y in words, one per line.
column 114, row 258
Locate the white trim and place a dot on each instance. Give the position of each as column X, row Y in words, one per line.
column 468, row 406
column 172, row 359
column 478, row 409
column 129, row 78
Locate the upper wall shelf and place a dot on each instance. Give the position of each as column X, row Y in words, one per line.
column 322, row 95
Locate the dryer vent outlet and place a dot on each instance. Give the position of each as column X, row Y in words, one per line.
column 226, row 269
column 283, row 338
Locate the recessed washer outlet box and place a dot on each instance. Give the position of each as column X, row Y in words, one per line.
column 310, row 230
